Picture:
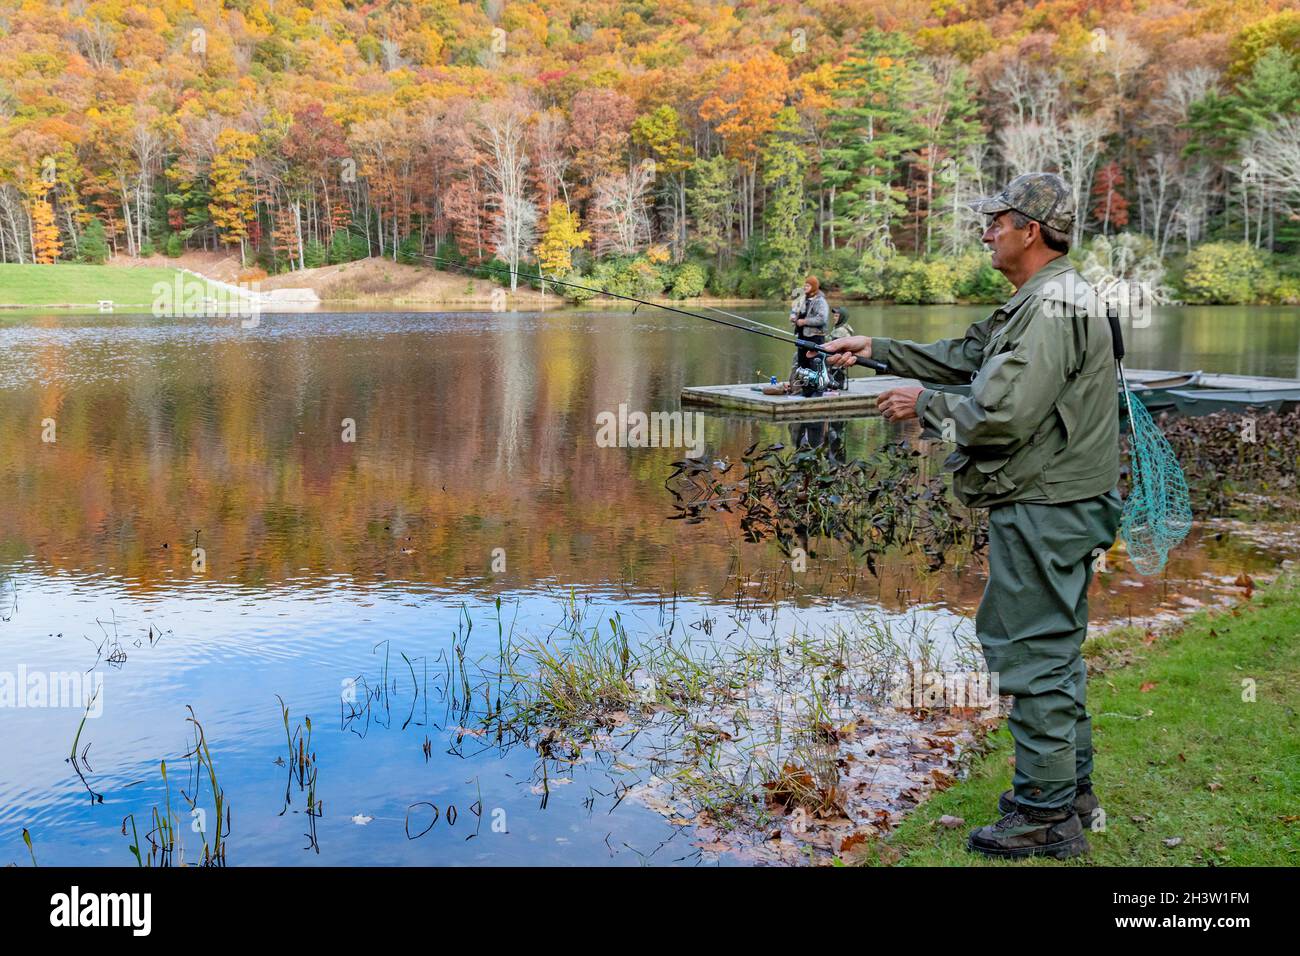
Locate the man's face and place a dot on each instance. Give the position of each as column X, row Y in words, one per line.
column 807, row 288
column 1005, row 242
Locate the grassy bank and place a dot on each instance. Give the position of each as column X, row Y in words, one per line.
column 1188, row 772
column 72, row 284
column 374, row 283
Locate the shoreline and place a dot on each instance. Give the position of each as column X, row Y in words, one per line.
column 406, row 305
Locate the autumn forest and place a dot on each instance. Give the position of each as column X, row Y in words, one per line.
column 667, row 147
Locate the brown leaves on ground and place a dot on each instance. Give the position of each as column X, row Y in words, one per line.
column 882, row 773
column 942, row 780
column 796, row 787
column 833, row 734
column 856, row 838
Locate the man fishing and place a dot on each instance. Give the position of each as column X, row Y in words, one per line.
column 1038, row 445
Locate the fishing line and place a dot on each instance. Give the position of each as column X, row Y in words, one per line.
column 744, row 318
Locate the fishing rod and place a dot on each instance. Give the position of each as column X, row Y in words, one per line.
column 769, row 332
column 870, row 363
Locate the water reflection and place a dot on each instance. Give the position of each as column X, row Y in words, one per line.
column 821, row 434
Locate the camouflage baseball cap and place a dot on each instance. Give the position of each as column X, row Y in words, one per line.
column 1041, row 196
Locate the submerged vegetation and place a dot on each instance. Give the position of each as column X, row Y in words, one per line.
column 793, row 732
column 884, row 503
column 1239, row 462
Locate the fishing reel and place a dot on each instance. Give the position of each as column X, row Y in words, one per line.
column 813, row 380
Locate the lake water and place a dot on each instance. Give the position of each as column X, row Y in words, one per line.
column 473, row 475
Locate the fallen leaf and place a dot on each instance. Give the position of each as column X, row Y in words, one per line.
column 1148, row 686
column 949, row 821
column 717, row 846
column 855, row 838
column 1172, row 842
column 887, row 855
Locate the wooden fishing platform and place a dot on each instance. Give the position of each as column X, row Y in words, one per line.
column 859, row 399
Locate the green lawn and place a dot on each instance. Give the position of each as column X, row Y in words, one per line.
column 82, row 285
column 1187, row 758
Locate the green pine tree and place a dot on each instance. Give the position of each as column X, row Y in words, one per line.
column 711, row 200
column 787, row 220
column 94, row 244
column 313, row 254
column 340, row 248
column 871, row 134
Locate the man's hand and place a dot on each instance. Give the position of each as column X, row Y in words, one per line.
column 848, row 350
column 898, row 404
column 800, row 322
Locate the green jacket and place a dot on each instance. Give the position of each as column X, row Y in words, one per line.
column 1041, row 422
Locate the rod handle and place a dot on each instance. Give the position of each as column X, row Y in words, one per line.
column 869, row 363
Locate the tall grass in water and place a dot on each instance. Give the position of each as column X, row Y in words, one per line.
column 77, row 760
column 302, row 769
column 166, row 847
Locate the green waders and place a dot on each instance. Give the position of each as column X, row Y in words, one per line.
column 1031, row 624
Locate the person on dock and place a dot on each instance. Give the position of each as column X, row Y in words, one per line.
column 811, row 318
column 840, row 329
column 1037, row 443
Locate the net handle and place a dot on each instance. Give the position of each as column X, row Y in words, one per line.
column 1117, row 345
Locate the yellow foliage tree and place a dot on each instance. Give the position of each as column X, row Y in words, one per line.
column 46, row 244
column 233, row 196
column 563, row 235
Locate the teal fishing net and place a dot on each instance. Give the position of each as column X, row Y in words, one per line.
column 1158, row 509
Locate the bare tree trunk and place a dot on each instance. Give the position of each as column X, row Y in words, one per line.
column 131, row 248
column 297, row 228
